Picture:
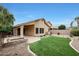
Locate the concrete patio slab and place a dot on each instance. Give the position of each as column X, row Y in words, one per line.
column 31, row 39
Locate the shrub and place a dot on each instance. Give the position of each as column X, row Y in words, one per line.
column 58, row 33
column 62, row 27
column 74, row 32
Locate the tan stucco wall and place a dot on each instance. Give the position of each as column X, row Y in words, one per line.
column 40, row 24
column 15, row 31
column 30, row 29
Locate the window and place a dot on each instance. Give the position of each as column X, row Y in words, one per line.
column 36, row 30
column 41, row 30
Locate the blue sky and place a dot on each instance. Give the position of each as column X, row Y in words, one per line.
column 57, row 14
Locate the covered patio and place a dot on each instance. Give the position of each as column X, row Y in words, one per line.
column 25, row 30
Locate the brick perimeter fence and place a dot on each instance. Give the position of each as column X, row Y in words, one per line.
column 61, row 32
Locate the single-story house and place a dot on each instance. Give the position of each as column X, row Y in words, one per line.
column 37, row 27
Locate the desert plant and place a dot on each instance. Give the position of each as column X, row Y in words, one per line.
column 74, row 32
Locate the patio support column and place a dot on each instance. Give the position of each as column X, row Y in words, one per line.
column 21, row 31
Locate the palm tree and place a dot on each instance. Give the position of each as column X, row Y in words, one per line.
column 77, row 19
column 71, row 24
column 6, row 23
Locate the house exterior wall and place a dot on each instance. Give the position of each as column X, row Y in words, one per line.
column 30, row 28
column 40, row 24
column 14, row 31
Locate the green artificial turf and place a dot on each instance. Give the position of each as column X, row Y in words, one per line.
column 53, row 46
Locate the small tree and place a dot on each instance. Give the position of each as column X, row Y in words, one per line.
column 6, row 23
column 62, row 27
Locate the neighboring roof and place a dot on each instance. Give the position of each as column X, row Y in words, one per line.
column 26, row 23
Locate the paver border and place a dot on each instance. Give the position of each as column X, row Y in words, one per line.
column 28, row 47
column 31, row 51
column 72, row 45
